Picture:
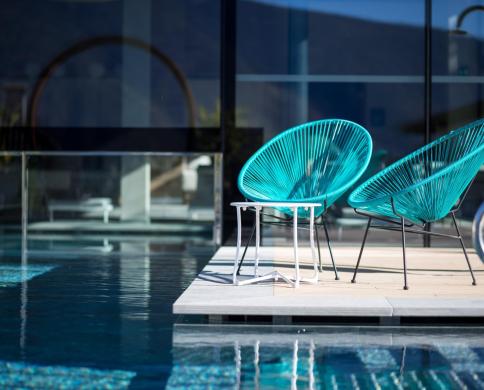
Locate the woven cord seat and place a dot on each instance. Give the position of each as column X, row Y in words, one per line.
column 314, row 162
column 426, row 185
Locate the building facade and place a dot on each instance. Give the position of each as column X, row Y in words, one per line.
column 137, row 115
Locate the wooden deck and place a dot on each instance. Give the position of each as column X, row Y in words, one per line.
column 439, row 281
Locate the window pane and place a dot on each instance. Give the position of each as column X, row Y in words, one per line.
column 357, row 60
column 111, row 63
column 458, row 87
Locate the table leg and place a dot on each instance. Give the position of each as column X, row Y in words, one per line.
column 239, row 241
column 296, row 255
column 311, row 240
column 257, row 240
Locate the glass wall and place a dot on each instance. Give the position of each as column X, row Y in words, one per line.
column 144, row 76
column 362, row 60
column 97, row 202
column 112, row 80
column 10, row 202
column 110, row 63
column 458, row 81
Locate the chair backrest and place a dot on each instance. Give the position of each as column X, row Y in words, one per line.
column 316, row 161
column 437, row 174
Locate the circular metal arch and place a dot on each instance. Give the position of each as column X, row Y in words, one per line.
column 90, row 43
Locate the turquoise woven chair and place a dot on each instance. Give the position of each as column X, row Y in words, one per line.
column 313, row 162
column 423, row 187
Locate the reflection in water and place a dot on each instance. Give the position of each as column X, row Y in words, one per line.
column 12, row 274
column 67, row 314
column 325, row 357
column 95, row 315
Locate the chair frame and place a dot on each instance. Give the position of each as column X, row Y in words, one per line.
column 287, row 223
column 324, row 199
column 403, row 228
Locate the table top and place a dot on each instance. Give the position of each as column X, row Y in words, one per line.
column 275, row 204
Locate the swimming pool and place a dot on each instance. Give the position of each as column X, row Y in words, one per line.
column 327, row 357
column 104, row 321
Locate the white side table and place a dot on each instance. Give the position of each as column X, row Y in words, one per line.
column 275, row 275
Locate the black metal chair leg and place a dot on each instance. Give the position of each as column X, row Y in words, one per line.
column 464, row 249
column 245, row 250
column 319, row 249
column 330, row 251
column 405, row 287
column 361, row 250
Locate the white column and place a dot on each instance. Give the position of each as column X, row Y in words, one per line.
column 136, row 109
column 135, row 188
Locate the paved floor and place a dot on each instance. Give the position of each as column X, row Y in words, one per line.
column 440, row 285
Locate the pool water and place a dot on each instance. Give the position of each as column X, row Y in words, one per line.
column 327, row 358
column 104, row 321
column 64, row 314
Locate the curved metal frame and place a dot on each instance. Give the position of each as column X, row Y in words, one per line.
column 90, row 43
column 290, row 141
column 303, row 153
column 402, row 227
column 464, row 14
column 389, row 195
column 385, row 198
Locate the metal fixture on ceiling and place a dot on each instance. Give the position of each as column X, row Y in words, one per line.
column 462, row 15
